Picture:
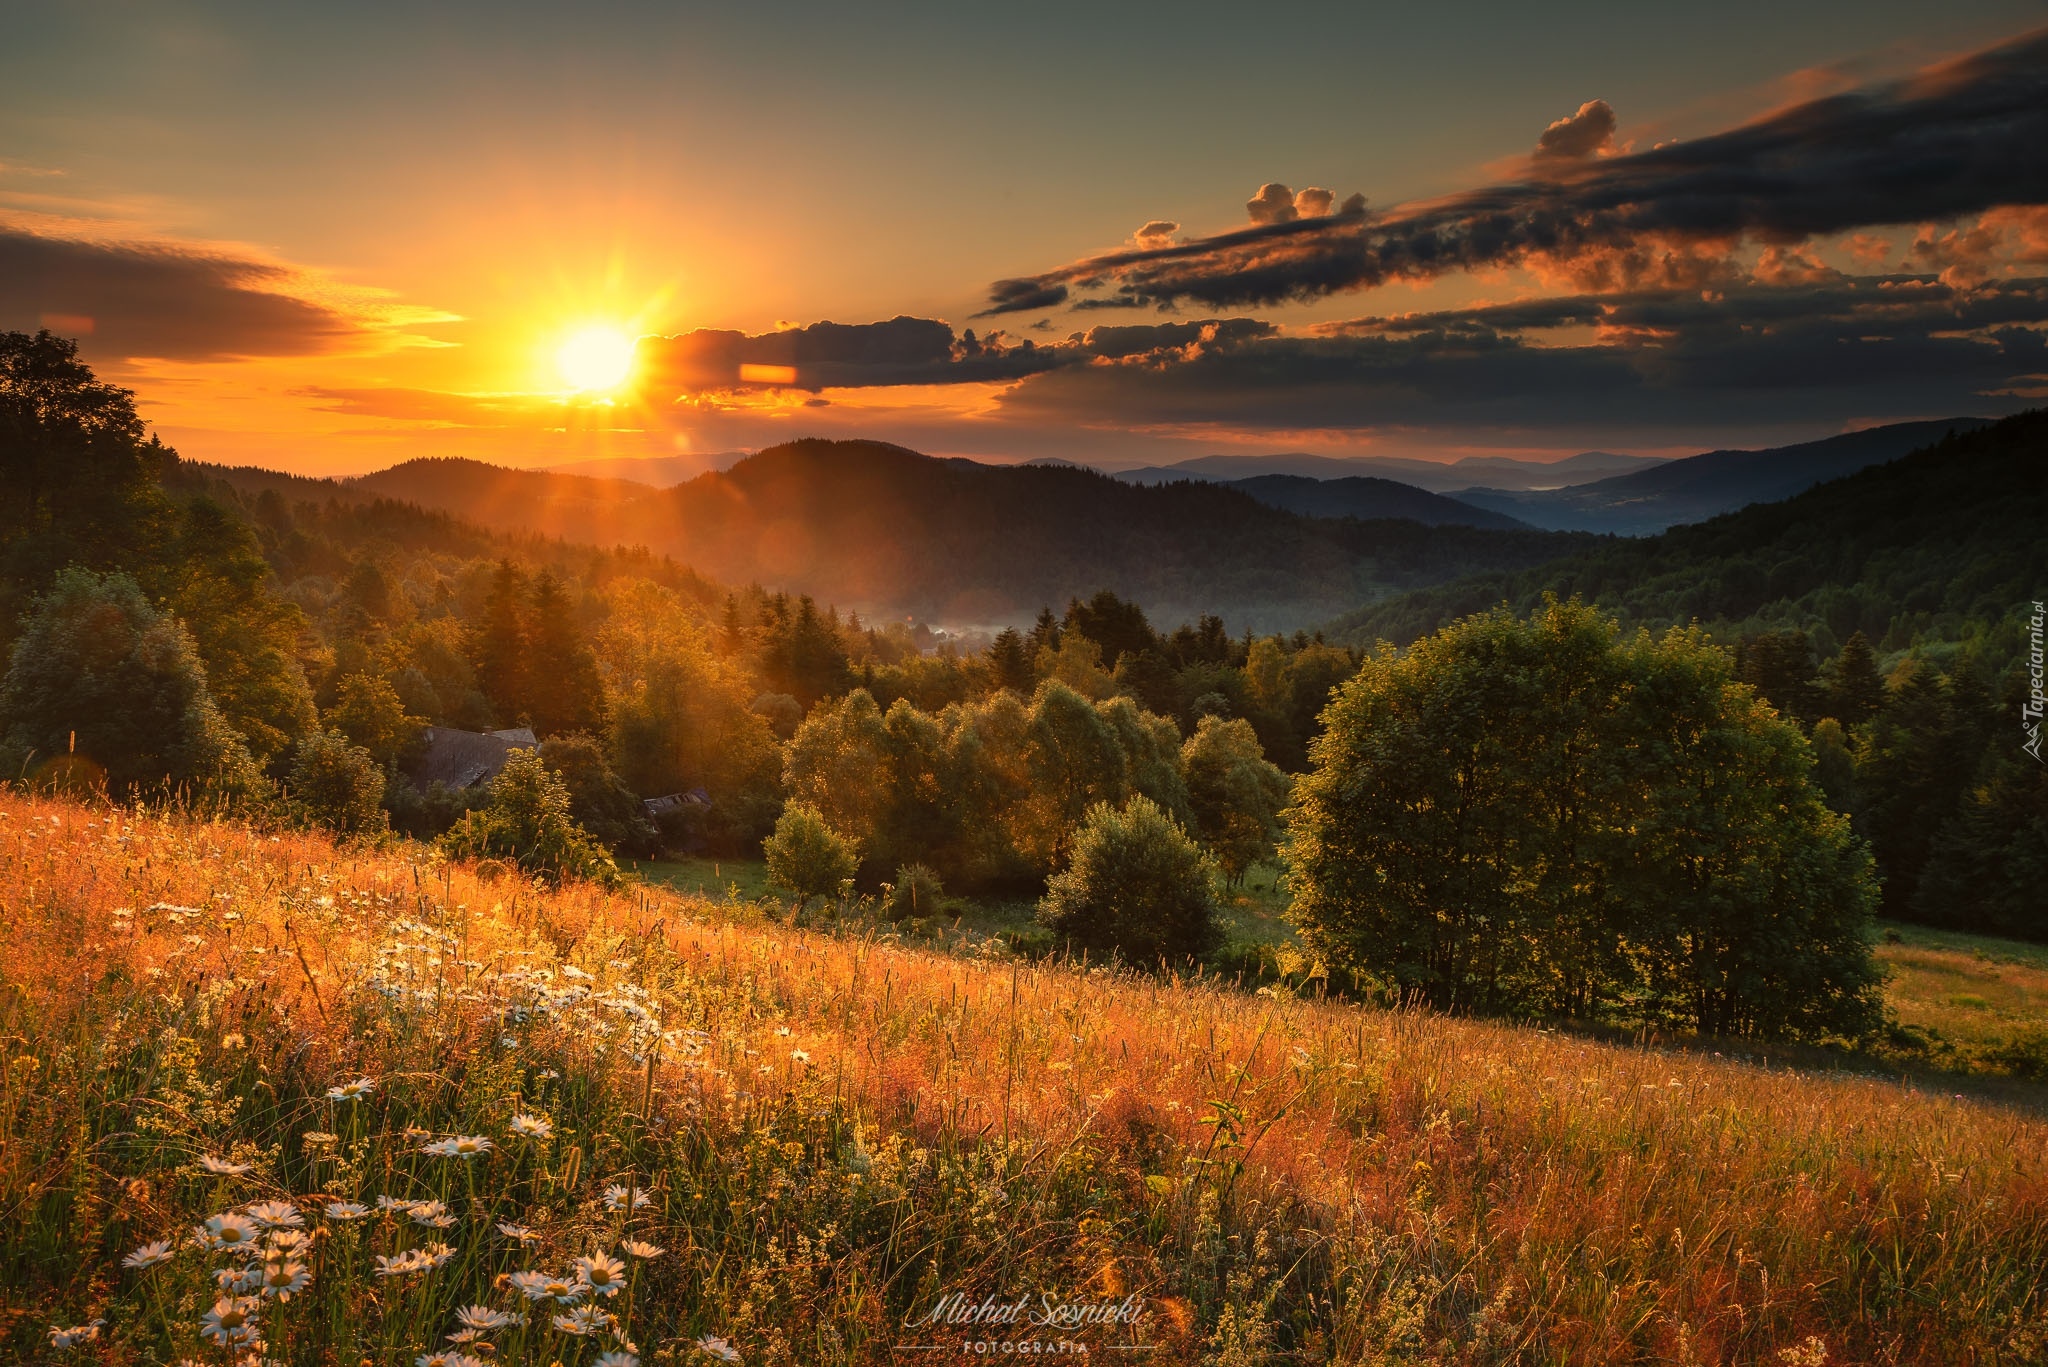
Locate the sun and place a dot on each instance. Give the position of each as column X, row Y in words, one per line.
column 597, row 357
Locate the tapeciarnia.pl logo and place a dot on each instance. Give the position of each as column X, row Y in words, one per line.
column 2031, row 709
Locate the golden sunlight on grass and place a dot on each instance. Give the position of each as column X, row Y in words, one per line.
column 596, row 358
column 827, row 1132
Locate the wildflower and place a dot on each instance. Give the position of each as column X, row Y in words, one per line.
column 281, row 1278
column 228, row 1231
column 432, row 1214
column 220, row 1167
column 352, row 1091
column 615, row 1198
column 463, row 1146
column 445, row 1360
column 532, row 1126
column 149, row 1255
column 636, row 1249
column 601, row 1274
column 75, row 1335
column 436, row 1255
column 532, row 1285
column 232, row 1321
column 288, row 1241
column 401, row 1264
column 238, row 1281
column 275, row 1214
column 346, row 1210
column 233, row 1040
column 518, row 1233
column 319, row 1139
column 799, row 1056
column 394, row 1203
column 583, row 1320
column 618, row 1357
column 483, row 1319
column 711, row 1345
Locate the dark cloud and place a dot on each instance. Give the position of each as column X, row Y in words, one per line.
column 837, row 355
column 1959, row 139
column 1578, row 136
column 137, row 299
column 1274, row 203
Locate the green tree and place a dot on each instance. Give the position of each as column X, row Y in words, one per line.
column 337, row 785
column 806, row 857
column 528, row 821
column 368, row 711
column 498, row 645
column 102, row 681
column 838, row 764
column 599, row 800
column 1536, row 816
column 247, row 636
column 563, row 691
column 915, row 892
column 1010, row 662
column 1136, row 886
column 1071, row 762
column 1236, row 794
column 1854, row 688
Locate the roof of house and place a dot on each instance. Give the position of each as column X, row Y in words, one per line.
column 463, row 759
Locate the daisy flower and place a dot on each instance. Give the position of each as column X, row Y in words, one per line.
column 288, row 1241
column 618, row 1357
column 220, row 1167
column 615, row 1198
column 445, row 1360
column 275, row 1214
column 634, row 1248
column 532, row 1285
column 281, row 1278
column 799, row 1056
column 401, row 1264
column 75, row 1335
column 228, row 1231
column 232, row 1321
column 533, row 1126
column 711, row 1345
column 352, row 1091
column 459, row 1146
column 346, row 1210
column 436, row 1255
column 518, row 1233
column 483, row 1319
column 432, row 1214
column 584, row 1320
column 149, row 1255
column 603, row 1275
column 237, row 1281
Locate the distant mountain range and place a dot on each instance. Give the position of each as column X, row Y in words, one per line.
column 1933, row 546
column 888, row 531
column 1367, row 496
column 1699, row 487
column 1500, row 472
column 659, row 471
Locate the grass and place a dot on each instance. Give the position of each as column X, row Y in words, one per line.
column 734, row 880
column 825, row 1135
column 1974, row 997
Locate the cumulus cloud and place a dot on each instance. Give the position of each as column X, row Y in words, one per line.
column 144, row 299
column 1157, row 233
column 1955, row 140
column 1314, row 202
column 1576, row 137
column 1274, row 203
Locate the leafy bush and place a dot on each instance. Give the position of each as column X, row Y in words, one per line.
column 529, row 823
column 916, row 892
column 1136, row 886
column 806, row 857
column 337, row 785
column 598, row 798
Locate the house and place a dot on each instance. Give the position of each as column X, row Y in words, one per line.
column 696, row 799
column 463, row 759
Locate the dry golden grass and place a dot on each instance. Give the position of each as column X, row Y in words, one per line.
column 1276, row 1175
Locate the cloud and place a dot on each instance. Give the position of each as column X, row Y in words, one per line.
column 1157, row 233
column 1959, row 139
column 1588, row 133
column 900, row 351
column 1274, row 203
column 141, row 298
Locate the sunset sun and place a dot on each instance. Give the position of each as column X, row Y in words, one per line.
column 596, row 358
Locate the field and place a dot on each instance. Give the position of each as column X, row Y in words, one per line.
column 1981, row 1002
column 783, row 1145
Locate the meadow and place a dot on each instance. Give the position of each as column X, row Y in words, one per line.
column 269, row 1097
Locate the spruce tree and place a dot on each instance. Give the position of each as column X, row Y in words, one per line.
column 564, row 692
column 498, row 647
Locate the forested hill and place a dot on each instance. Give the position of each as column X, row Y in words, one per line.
column 1931, row 546
column 889, row 531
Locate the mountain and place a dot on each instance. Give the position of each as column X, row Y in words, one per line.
column 1366, row 496
column 1934, row 545
column 888, row 531
column 1699, row 487
column 659, row 471
column 1436, row 476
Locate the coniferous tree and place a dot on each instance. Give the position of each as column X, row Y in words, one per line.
column 1010, row 662
column 563, row 689
column 1855, row 690
column 499, row 645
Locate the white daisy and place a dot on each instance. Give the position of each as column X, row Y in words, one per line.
column 463, row 1146
column 615, row 1198
column 75, row 1335
column 228, row 1232
column 352, row 1091
column 604, row 1276
column 532, row 1285
column 346, row 1210
column 483, row 1319
column 532, row 1126
column 711, row 1345
column 635, row 1248
column 275, row 1214
column 238, row 1281
column 282, row 1278
column 232, row 1322
column 288, row 1242
column 618, row 1357
column 220, row 1167
column 583, row 1321
column 518, row 1233
column 149, row 1255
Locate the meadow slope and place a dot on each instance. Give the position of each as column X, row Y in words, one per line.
column 825, row 1134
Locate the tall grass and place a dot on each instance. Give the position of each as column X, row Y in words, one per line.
column 824, row 1135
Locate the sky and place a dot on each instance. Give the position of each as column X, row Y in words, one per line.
column 330, row 238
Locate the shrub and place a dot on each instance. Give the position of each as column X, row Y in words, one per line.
column 528, row 822
column 368, row 711
column 337, row 785
column 806, row 857
column 1236, row 794
column 916, row 892
column 1136, row 886
column 598, row 798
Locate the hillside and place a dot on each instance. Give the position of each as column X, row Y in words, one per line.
column 800, row 1141
column 1435, row 476
column 1367, row 497
column 1947, row 537
column 1699, row 487
column 890, row 532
